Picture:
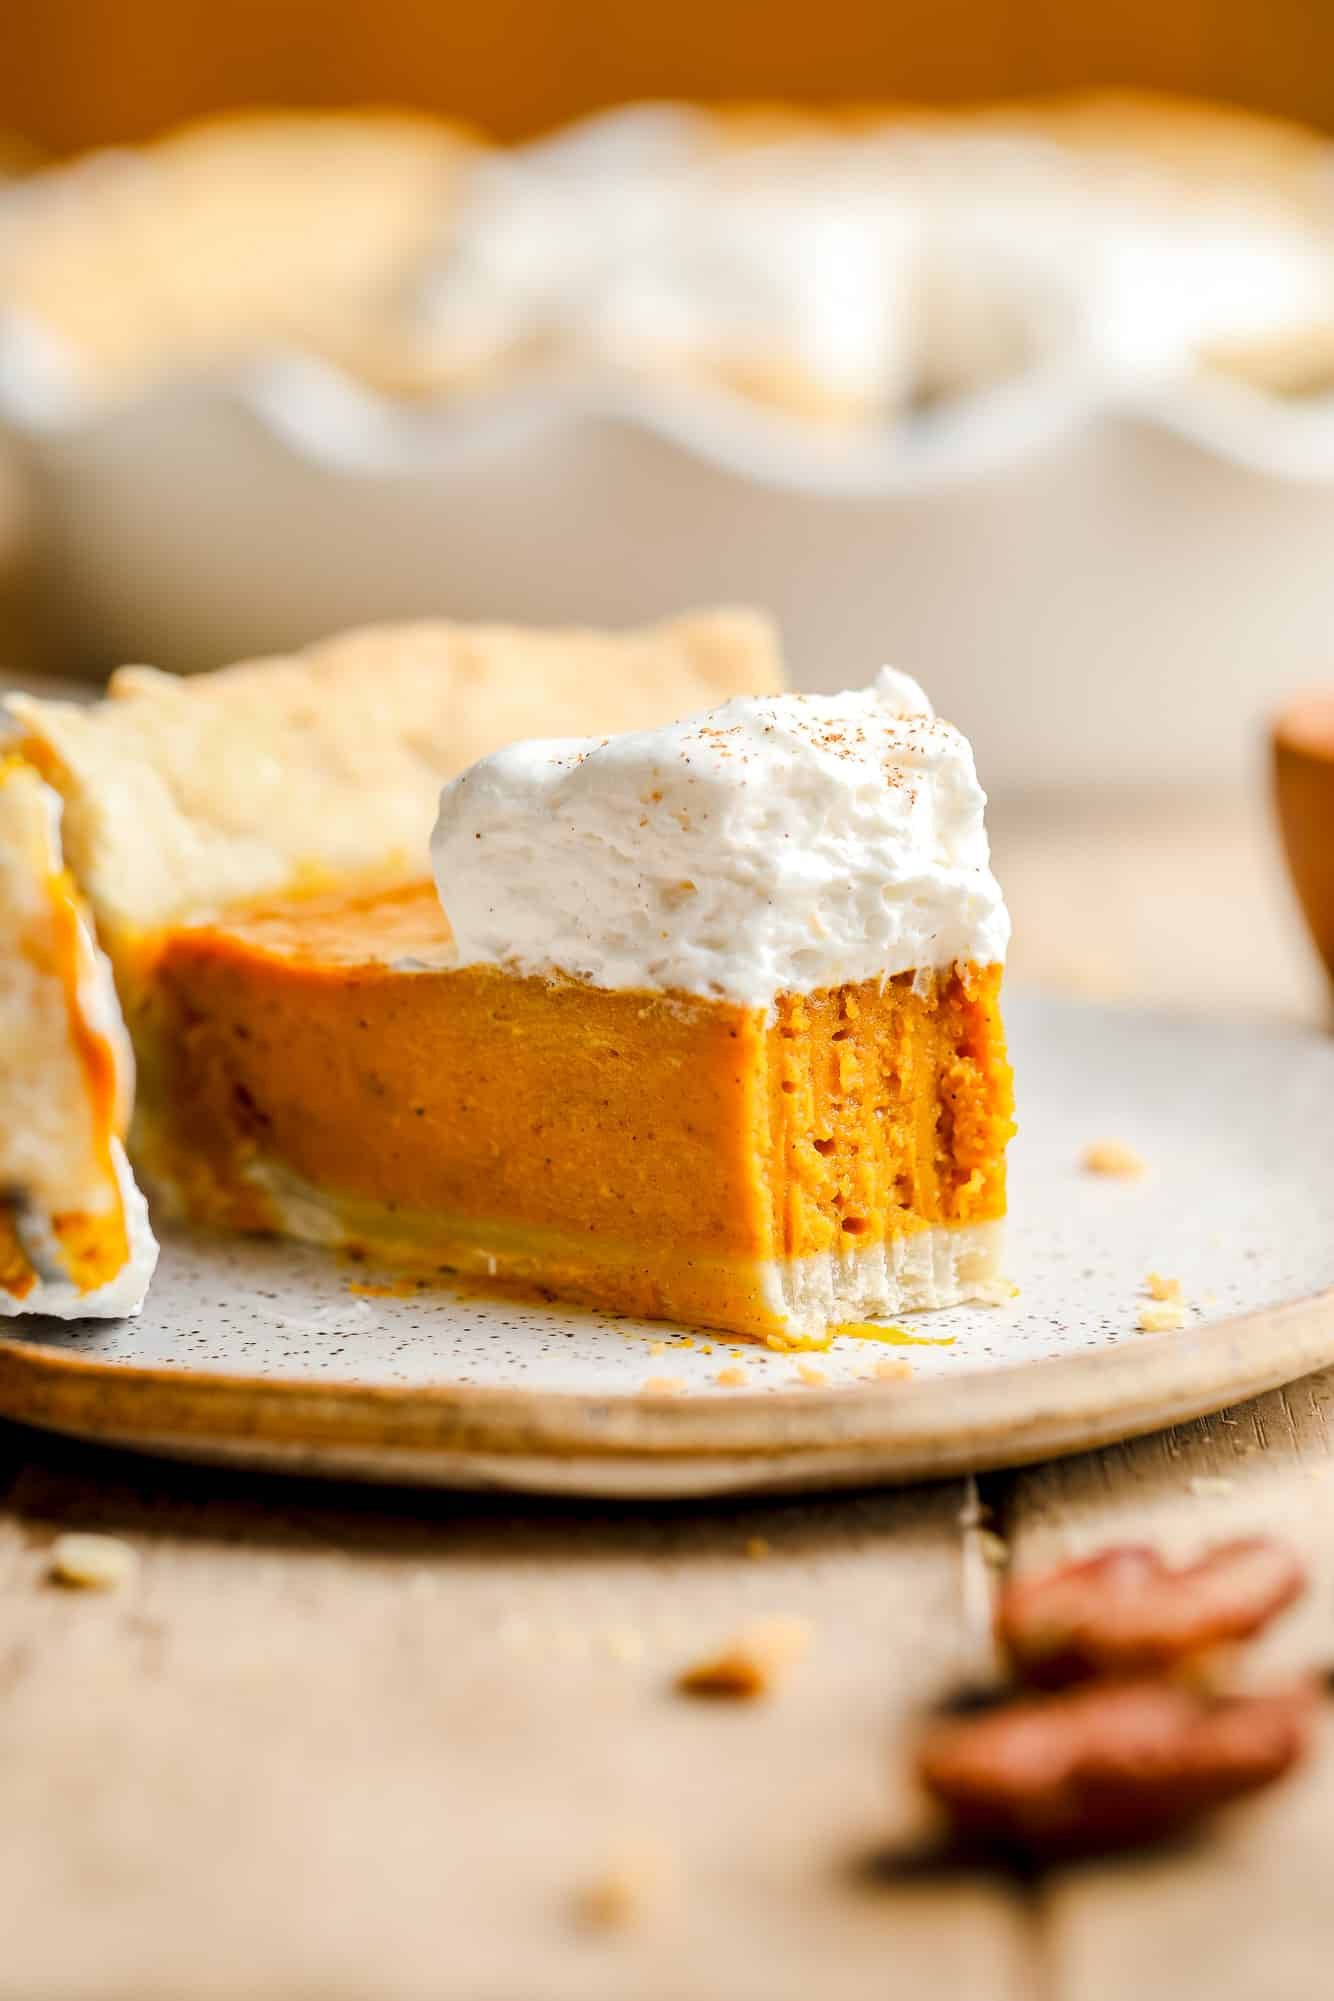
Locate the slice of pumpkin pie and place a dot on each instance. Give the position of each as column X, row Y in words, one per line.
column 702, row 1022
column 732, row 988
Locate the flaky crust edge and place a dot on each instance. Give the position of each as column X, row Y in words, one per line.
column 182, row 796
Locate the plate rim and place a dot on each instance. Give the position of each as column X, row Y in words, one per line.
column 624, row 1441
column 1007, row 1415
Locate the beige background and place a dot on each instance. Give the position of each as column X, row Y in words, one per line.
column 76, row 72
column 336, row 1744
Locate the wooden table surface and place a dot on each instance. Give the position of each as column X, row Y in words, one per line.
column 331, row 1743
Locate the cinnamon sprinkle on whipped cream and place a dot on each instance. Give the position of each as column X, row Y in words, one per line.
column 691, row 858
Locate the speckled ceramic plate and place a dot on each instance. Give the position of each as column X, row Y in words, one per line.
column 273, row 1355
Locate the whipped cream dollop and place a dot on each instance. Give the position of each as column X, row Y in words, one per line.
column 775, row 845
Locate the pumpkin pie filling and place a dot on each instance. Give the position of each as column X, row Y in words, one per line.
column 318, row 1068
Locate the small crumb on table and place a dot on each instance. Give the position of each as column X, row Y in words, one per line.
column 625, row 1645
column 758, row 1547
column 1113, row 1157
column 626, row 1890
column 92, row 1562
column 750, row 1664
column 1210, row 1486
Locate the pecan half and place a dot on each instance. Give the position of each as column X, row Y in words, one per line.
column 1109, row 1766
column 1126, row 1612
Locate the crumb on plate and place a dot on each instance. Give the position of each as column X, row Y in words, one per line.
column 995, row 1292
column 1113, row 1157
column 1159, row 1287
column 732, row 1378
column 1161, row 1319
column 662, row 1386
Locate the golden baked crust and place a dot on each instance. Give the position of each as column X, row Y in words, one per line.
column 1200, row 141
column 230, row 235
column 182, row 796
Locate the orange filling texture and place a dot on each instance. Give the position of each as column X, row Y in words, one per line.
column 442, row 1106
column 889, row 1108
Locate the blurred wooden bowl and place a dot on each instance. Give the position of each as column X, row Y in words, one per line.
column 1303, row 754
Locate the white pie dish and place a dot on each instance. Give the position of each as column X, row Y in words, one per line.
column 1097, row 595
column 1100, row 580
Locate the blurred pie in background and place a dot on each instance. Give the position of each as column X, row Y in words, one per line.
column 1029, row 398
column 837, row 269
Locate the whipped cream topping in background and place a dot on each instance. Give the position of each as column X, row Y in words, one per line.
column 878, row 266
column 775, row 845
column 1118, row 262
column 635, row 237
